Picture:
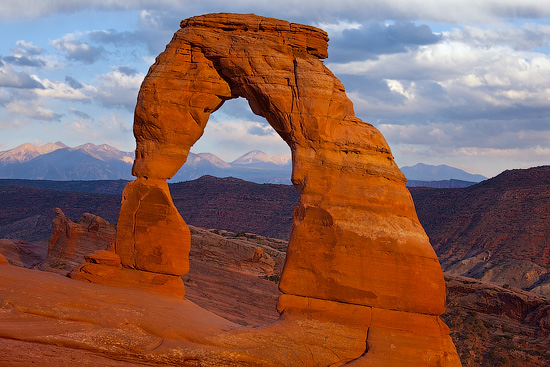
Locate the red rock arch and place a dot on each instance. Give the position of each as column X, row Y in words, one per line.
column 357, row 255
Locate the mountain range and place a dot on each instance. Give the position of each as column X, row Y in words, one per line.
column 57, row 161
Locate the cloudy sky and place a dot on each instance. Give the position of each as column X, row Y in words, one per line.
column 463, row 83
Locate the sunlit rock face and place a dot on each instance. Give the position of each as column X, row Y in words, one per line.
column 358, row 262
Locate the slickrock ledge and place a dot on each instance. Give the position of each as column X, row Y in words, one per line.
column 361, row 282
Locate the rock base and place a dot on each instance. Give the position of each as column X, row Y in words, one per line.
column 104, row 267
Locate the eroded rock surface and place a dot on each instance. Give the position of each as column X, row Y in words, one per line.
column 22, row 253
column 71, row 241
column 358, row 260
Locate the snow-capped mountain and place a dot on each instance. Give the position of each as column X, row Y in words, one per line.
column 26, row 152
column 259, row 158
column 56, row 161
column 255, row 166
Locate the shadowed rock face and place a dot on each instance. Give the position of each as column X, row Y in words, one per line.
column 358, row 259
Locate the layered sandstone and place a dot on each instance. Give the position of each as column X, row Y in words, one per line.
column 361, row 281
column 71, row 241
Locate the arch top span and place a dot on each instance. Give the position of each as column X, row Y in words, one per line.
column 273, row 64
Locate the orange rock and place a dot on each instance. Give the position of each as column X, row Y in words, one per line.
column 71, row 241
column 356, row 239
column 404, row 339
column 104, row 267
column 3, row 260
column 151, row 235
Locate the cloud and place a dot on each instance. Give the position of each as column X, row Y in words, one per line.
column 528, row 37
column 119, row 88
column 32, row 109
column 80, row 114
column 24, row 61
column 77, row 50
column 27, row 49
column 11, row 78
column 113, row 129
column 376, row 38
column 126, row 70
column 73, row 83
column 5, row 97
column 114, row 37
column 445, row 136
column 449, row 11
column 229, row 137
column 453, row 80
column 59, row 90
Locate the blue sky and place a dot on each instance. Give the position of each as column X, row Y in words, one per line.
column 464, row 83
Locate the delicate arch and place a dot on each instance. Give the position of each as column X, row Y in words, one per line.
column 357, row 257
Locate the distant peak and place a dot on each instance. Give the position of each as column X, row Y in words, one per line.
column 257, row 156
column 427, row 172
column 27, row 151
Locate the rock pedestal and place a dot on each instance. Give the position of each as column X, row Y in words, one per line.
column 358, row 263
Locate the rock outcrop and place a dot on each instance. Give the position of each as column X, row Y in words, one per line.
column 361, row 282
column 71, row 241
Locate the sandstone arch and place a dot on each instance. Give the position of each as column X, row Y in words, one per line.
column 358, row 259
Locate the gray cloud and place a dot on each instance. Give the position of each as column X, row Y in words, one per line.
column 116, row 38
column 81, row 114
column 73, row 83
column 24, row 61
column 11, row 78
column 77, row 50
column 126, row 70
column 375, row 38
column 450, row 11
column 26, row 48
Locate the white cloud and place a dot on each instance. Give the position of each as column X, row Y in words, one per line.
column 60, row 90
column 118, row 88
column 336, row 29
column 31, row 109
column 527, row 37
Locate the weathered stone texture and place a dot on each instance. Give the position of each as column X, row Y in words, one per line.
column 356, row 241
column 71, row 241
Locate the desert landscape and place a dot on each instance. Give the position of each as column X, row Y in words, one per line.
column 492, row 323
column 331, row 257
